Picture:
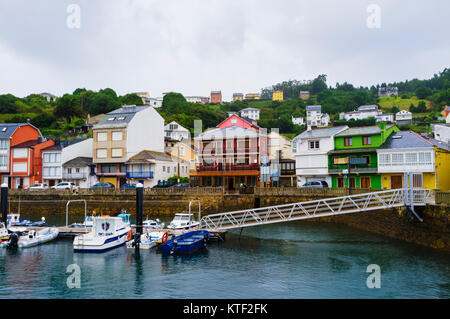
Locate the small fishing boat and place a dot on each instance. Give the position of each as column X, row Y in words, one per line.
column 14, row 220
column 30, row 238
column 183, row 221
column 4, row 234
column 107, row 233
column 87, row 222
column 187, row 243
column 149, row 240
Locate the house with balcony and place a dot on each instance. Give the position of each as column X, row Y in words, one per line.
column 122, row 134
column 150, row 167
column 80, row 171
column 310, row 150
column 175, row 131
column 405, row 152
column 354, row 162
column 12, row 134
column 403, row 117
column 230, row 154
column 53, row 157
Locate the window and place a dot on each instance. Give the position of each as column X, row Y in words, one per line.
column 385, row 159
column 425, row 158
column 367, row 140
column 116, row 152
column 3, row 162
column 348, row 141
column 182, row 149
column 101, row 153
column 117, row 136
column 340, row 182
column 108, row 168
column 4, row 145
column 77, row 170
column 102, row 136
column 164, row 168
column 411, row 158
column 20, row 153
column 234, row 121
column 20, row 167
column 69, row 171
column 365, row 182
column 397, row 159
column 314, row 144
column 168, row 169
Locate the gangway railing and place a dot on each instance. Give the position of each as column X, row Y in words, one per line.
column 316, row 208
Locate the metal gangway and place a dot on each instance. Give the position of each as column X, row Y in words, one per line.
column 318, row 208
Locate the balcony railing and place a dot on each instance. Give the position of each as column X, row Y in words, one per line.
column 139, row 174
column 227, row 167
column 73, row 176
column 370, row 168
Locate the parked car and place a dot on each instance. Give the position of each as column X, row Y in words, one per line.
column 103, row 185
column 37, row 186
column 182, row 185
column 317, row 184
column 66, row 185
column 165, row 184
column 128, row 185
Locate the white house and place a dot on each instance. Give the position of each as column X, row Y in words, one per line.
column 149, row 167
column 388, row 91
column 298, row 120
column 250, row 113
column 441, row 132
column 175, row 131
column 80, row 171
column 310, row 150
column 367, row 112
column 403, row 117
column 385, row 117
column 315, row 117
column 154, row 102
column 54, row 156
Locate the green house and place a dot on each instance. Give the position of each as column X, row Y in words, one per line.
column 354, row 158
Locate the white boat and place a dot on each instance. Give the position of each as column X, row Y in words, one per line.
column 152, row 224
column 183, row 221
column 87, row 222
column 4, row 234
column 149, row 240
column 107, row 233
column 31, row 238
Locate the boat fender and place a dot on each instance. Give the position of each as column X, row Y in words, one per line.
column 129, row 235
column 164, row 237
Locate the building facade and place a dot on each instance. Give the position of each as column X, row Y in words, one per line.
column 250, row 112
column 388, row 91
column 81, row 171
column 175, row 131
column 304, row 95
column 277, row 96
column 216, row 97
column 310, row 150
column 238, row 97
column 403, row 117
column 121, row 134
column 315, row 117
column 253, row 96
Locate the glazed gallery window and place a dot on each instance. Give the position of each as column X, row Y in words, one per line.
column 116, row 152
column 397, row 159
column 385, row 159
column 425, row 158
column 102, row 137
column 117, row 136
column 348, row 141
column 101, row 153
column 314, row 145
column 411, row 158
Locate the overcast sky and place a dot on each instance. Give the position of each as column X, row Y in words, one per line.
column 195, row 46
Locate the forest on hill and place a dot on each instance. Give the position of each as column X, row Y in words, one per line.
column 58, row 118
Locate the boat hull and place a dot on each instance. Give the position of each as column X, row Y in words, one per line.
column 186, row 244
column 108, row 243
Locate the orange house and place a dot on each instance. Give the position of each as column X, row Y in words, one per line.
column 20, row 154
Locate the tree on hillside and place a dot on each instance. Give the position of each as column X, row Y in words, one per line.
column 175, row 103
column 7, row 103
column 319, row 84
column 68, row 106
column 130, row 99
column 423, row 92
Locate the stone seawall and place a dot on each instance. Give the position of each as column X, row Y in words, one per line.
column 433, row 232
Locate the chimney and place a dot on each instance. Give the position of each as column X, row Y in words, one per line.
column 28, row 121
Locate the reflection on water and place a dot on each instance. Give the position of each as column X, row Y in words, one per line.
column 292, row 260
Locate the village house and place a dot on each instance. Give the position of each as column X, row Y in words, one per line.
column 403, row 117
column 122, row 134
column 277, row 96
column 175, row 131
column 230, row 154
column 315, row 117
column 310, row 150
column 304, row 95
column 150, row 167
column 250, row 112
column 182, row 150
column 406, row 152
column 216, row 97
column 53, row 158
column 253, row 96
column 81, row 171
column 298, row 120
column 388, row 91
column 238, row 97
column 353, row 162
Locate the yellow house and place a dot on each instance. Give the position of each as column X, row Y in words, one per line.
column 277, row 96
column 408, row 152
column 182, row 150
column 252, row 96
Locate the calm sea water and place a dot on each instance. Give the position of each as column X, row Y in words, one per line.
column 290, row 260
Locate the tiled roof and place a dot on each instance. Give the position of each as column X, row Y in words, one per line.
column 30, row 143
column 79, row 161
column 317, row 108
column 363, row 130
column 321, row 132
column 147, row 156
column 7, row 129
column 120, row 117
column 405, row 139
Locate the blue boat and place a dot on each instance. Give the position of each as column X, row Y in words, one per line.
column 187, row 243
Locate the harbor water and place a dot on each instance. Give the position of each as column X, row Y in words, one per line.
column 287, row 260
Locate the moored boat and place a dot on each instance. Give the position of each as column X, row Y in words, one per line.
column 107, row 233
column 183, row 221
column 149, row 240
column 187, row 243
column 30, row 238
